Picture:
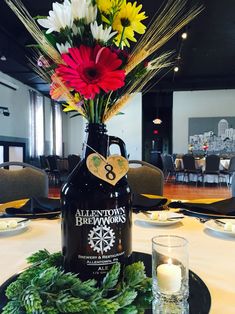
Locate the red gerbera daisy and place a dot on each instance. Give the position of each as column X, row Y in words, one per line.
column 89, row 69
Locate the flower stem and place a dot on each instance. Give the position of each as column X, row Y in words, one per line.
column 122, row 35
column 96, row 112
column 106, row 105
column 92, row 110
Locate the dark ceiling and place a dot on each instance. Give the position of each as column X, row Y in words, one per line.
column 207, row 56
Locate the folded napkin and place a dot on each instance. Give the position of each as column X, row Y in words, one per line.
column 224, row 207
column 143, row 203
column 37, row 207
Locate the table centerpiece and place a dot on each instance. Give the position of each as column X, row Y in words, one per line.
column 84, row 50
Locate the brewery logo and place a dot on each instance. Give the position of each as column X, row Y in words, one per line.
column 101, row 239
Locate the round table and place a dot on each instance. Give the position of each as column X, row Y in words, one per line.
column 211, row 256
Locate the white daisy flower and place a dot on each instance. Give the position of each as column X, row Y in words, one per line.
column 100, row 33
column 59, row 17
column 83, row 9
column 91, row 14
column 63, row 48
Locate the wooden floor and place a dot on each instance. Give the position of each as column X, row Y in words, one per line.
column 189, row 192
column 181, row 191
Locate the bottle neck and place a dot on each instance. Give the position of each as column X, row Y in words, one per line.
column 96, row 140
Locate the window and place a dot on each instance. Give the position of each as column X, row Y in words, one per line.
column 57, row 129
column 36, row 147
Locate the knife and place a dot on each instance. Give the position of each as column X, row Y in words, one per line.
column 146, row 213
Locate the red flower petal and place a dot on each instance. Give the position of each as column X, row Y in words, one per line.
column 89, row 69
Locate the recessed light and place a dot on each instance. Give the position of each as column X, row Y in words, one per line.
column 184, row 35
column 3, row 58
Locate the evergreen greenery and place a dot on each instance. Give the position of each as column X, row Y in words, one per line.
column 44, row 288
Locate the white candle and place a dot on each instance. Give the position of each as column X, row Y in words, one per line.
column 169, row 277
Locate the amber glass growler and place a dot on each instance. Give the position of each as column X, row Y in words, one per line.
column 96, row 216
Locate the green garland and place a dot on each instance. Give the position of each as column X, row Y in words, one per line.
column 44, row 288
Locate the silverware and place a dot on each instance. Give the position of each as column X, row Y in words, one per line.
column 219, row 222
column 168, row 219
column 23, row 220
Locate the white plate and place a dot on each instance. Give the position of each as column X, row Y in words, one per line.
column 143, row 218
column 20, row 225
column 211, row 224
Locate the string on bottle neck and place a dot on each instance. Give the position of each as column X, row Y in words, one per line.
column 102, row 157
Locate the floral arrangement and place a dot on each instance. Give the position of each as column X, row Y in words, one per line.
column 84, row 50
column 205, row 146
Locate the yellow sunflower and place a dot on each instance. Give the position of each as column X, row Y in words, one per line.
column 128, row 21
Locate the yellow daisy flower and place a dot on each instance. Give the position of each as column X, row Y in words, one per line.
column 109, row 9
column 105, row 6
column 127, row 22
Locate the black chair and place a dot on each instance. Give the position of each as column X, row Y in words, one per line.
column 54, row 172
column 44, row 163
column 190, row 167
column 212, row 167
column 233, row 185
column 169, row 168
column 145, row 178
column 230, row 171
column 73, row 160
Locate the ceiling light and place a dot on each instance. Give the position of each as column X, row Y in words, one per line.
column 3, row 58
column 157, row 121
column 176, row 69
column 184, row 35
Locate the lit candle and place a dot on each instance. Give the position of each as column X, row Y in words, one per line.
column 169, row 277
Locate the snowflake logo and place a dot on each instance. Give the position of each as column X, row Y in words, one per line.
column 101, row 239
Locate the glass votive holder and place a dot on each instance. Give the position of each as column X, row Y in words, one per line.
column 170, row 268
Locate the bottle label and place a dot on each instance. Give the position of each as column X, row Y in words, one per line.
column 105, row 233
column 100, row 217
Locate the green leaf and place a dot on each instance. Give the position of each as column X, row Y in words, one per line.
column 38, row 256
column 15, row 289
column 84, row 289
column 66, row 280
column 31, row 300
column 45, row 278
column 12, row 307
column 106, row 306
column 134, row 274
column 75, row 115
column 111, row 278
column 50, row 310
column 29, row 274
column 126, row 298
column 145, row 285
column 55, row 259
column 68, row 304
column 130, row 309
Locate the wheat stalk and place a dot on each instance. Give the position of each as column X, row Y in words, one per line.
column 162, row 28
column 19, row 9
column 156, row 66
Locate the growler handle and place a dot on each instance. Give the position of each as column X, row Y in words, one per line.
column 120, row 143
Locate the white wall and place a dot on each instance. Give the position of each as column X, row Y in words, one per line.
column 128, row 127
column 73, row 134
column 193, row 104
column 16, row 125
column 48, row 125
